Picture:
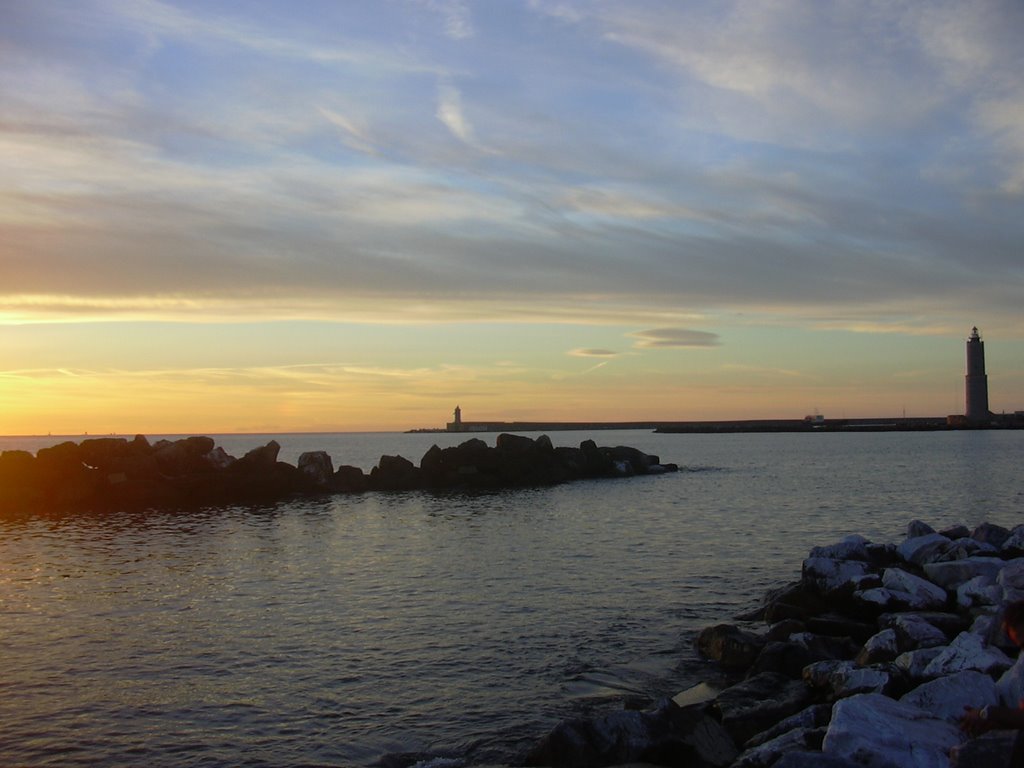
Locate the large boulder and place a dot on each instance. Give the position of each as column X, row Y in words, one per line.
column 979, row 591
column 951, row 574
column 65, row 479
column 1011, row 579
column 349, row 479
column 318, row 468
column 185, row 456
column 913, row 630
column 912, row 664
column 920, row 550
column 853, row 547
column 946, row 697
column 729, row 645
column 513, row 443
column 990, row 533
column 797, row 600
column 767, row 754
column 1010, row 687
column 760, row 702
column 882, row 647
column 260, row 459
column 666, row 735
column 838, row 578
column 104, row 452
column 874, row 730
column 923, row 594
column 814, row 760
column 471, row 463
column 968, row 651
column 638, row 461
column 844, row 678
column 395, row 473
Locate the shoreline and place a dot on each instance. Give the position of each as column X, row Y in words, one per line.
column 873, row 653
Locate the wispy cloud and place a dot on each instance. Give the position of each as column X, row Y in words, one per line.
column 674, row 338
column 458, row 23
column 450, row 113
column 717, row 157
column 354, row 134
column 592, row 352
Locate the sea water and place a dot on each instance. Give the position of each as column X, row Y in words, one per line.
column 456, row 628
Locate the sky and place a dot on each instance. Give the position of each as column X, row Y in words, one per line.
column 319, row 215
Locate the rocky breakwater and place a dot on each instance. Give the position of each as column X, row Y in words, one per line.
column 117, row 473
column 868, row 660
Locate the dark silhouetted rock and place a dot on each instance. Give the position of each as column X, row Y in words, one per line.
column 729, row 645
column 513, row 443
column 668, row 735
column 111, row 473
column 350, row 479
column 395, row 473
column 318, row 467
column 760, row 702
column 183, row 457
column 261, row 458
column 990, row 533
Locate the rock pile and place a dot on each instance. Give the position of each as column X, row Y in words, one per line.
column 868, row 660
column 117, row 473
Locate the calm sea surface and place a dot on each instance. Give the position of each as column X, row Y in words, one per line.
column 457, row 627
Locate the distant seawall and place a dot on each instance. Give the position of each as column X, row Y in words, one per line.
column 920, row 424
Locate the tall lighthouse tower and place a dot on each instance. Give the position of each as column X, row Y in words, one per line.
column 977, row 381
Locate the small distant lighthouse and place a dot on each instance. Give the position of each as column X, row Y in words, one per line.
column 977, row 380
column 456, row 425
column 458, row 410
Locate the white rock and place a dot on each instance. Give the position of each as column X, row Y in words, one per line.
column 914, row 663
column 854, row 547
column 950, row 575
column 830, row 576
column 1010, row 687
column 883, row 599
column 981, row 590
column 1016, row 541
column 923, row 591
column 968, row 651
column 887, row 599
column 856, row 681
column 914, row 632
column 879, row 732
column 923, row 549
column 882, row 646
column 946, row 697
column 961, row 549
column 768, row 753
column 845, row 678
column 916, row 528
column 1011, row 579
column 987, row 624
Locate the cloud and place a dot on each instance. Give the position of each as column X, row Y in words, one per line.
column 449, row 112
column 457, row 22
column 674, row 338
column 354, row 134
column 789, row 159
column 591, row 352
